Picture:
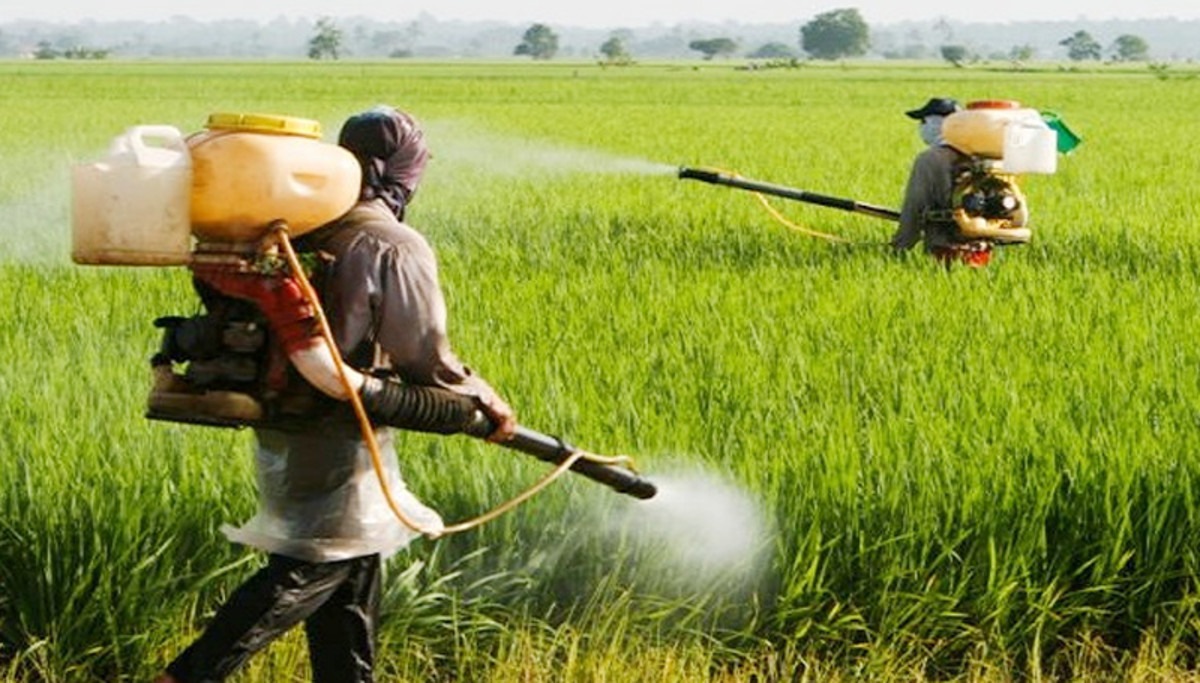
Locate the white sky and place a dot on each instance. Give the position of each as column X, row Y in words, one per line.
column 604, row 14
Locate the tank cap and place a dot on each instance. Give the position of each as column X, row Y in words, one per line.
column 264, row 123
column 994, row 104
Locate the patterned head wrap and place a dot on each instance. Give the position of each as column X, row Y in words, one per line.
column 390, row 148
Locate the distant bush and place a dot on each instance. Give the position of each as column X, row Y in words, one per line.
column 81, row 52
column 773, row 51
column 788, row 63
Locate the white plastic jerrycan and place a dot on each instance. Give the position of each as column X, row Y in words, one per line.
column 1030, row 146
column 132, row 208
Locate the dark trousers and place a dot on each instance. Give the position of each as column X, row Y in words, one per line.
column 337, row 601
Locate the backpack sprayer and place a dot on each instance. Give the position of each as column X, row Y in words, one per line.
column 240, row 189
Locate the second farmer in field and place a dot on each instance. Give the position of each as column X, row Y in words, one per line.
column 957, row 204
column 931, row 188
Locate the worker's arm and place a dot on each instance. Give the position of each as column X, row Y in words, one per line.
column 410, row 311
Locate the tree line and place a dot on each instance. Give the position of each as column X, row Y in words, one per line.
column 832, row 35
column 836, row 34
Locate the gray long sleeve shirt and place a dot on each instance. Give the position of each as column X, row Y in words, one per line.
column 318, row 493
column 930, row 187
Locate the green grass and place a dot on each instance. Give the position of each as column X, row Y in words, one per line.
column 958, row 474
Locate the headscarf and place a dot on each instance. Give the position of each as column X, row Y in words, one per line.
column 390, row 148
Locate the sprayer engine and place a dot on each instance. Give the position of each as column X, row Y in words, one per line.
column 222, row 348
column 219, row 353
column 219, row 367
column 983, row 191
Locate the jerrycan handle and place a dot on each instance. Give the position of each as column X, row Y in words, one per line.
column 136, row 137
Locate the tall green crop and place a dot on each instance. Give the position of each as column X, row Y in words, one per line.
column 945, row 468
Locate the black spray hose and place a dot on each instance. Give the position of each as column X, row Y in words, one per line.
column 437, row 410
column 718, row 178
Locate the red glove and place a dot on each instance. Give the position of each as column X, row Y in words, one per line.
column 279, row 297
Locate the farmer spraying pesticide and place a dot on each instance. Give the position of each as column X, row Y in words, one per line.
column 962, row 195
column 323, row 519
column 265, row 354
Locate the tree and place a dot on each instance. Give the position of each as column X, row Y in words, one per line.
column 1022, row 53
column 835, row 34
column 955, row 54
column 1130, row 48
column 397, row 43
column 326, row 42
column 538, row 42
column 773, row 51
column 711, row 47
column 1081, row 46
column 943, row 27
column 615, row 52
column 45, row 51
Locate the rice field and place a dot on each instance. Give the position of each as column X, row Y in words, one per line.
column 872, row 468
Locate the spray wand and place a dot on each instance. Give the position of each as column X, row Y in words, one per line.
column 715, row 177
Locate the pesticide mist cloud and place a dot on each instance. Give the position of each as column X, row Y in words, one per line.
column 463, row 145
column 698, row 532
column 35, row 226
column 704, row 522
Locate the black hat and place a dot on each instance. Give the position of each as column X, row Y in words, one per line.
column 937, row 106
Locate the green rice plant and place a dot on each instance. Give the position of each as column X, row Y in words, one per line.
column 951, row 475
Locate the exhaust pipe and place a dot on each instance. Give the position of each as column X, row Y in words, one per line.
column 714, row 177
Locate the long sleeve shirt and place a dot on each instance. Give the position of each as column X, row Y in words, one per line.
column 318, row 493
column 930, row 188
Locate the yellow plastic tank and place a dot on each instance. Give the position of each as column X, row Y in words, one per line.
column 249, row 170
column 979, row 129
column 131, row 208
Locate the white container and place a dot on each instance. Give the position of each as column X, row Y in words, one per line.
column 132, row 208
column 1030, row 146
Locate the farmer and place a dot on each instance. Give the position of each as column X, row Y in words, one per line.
column 323, row 519
column 930, row 192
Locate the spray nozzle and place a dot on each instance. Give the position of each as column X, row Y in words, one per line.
column 706, row 175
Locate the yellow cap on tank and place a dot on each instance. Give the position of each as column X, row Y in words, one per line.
column 264, row 123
